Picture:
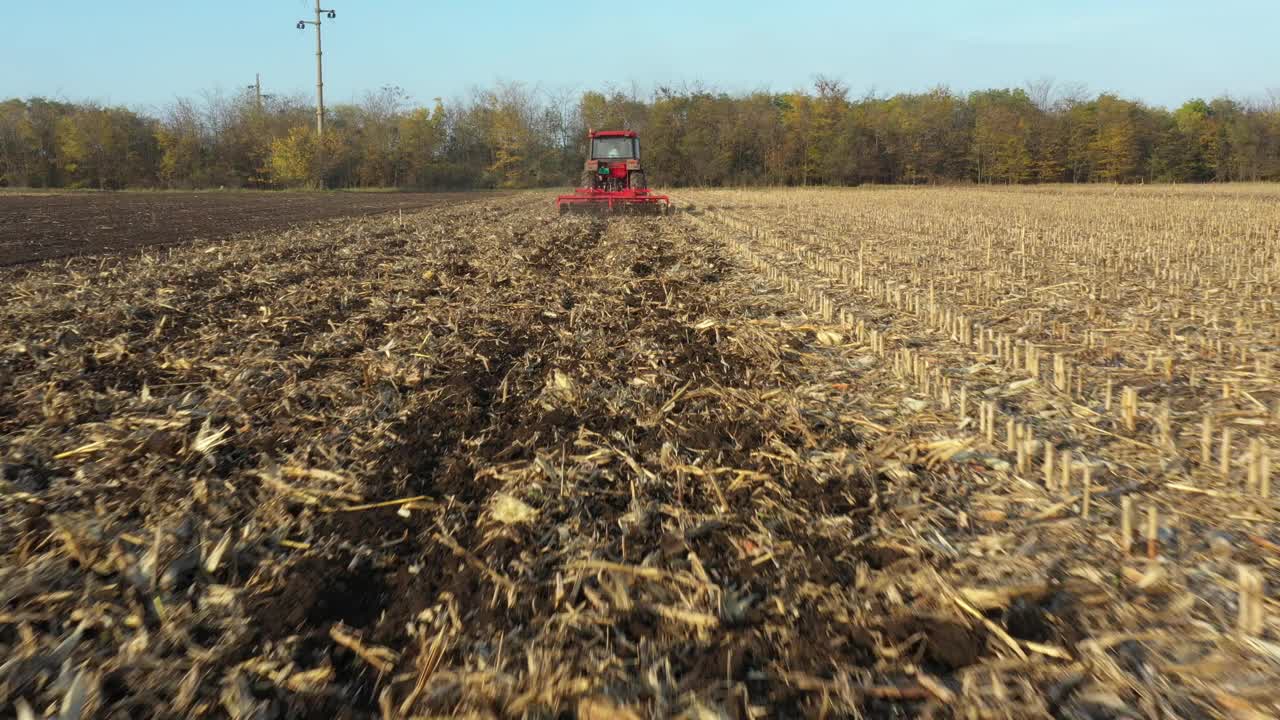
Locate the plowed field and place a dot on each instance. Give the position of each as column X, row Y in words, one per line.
column 747, row 461
column 41, row 226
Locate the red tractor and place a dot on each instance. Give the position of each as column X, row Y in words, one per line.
column 612, row 178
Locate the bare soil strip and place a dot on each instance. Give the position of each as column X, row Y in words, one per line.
column 44, row 226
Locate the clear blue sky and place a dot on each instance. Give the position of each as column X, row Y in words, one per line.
column 147, row 52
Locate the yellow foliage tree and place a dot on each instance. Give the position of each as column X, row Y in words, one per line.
column 510, row 135
column 421, row 136
column 302, row 158
column 1115, row 147
column 291, row 157
column 93, row 145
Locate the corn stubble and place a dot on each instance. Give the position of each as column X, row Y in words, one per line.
column 973, row 453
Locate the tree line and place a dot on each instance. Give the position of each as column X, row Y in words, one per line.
column 515, row 136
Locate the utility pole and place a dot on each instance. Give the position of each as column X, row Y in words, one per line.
column 302, row 24
column 256, row 87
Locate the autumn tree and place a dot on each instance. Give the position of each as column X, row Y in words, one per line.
column 512, row 135
column 183, row 148
column 304, row 159
column 107, row 147
column 18, row 146
column 932, row 132
column 1002, row 135
column 1114, row 147
column 421, row 134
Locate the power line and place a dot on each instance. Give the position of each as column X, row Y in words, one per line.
column 302, row 25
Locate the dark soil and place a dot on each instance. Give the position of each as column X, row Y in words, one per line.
column 43, row 226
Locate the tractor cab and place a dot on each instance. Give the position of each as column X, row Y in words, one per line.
column 609, row 146
column 614, row 161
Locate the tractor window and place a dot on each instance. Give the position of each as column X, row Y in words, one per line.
column 613, row 147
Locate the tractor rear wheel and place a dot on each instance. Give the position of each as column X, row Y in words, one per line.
column 638, row 181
